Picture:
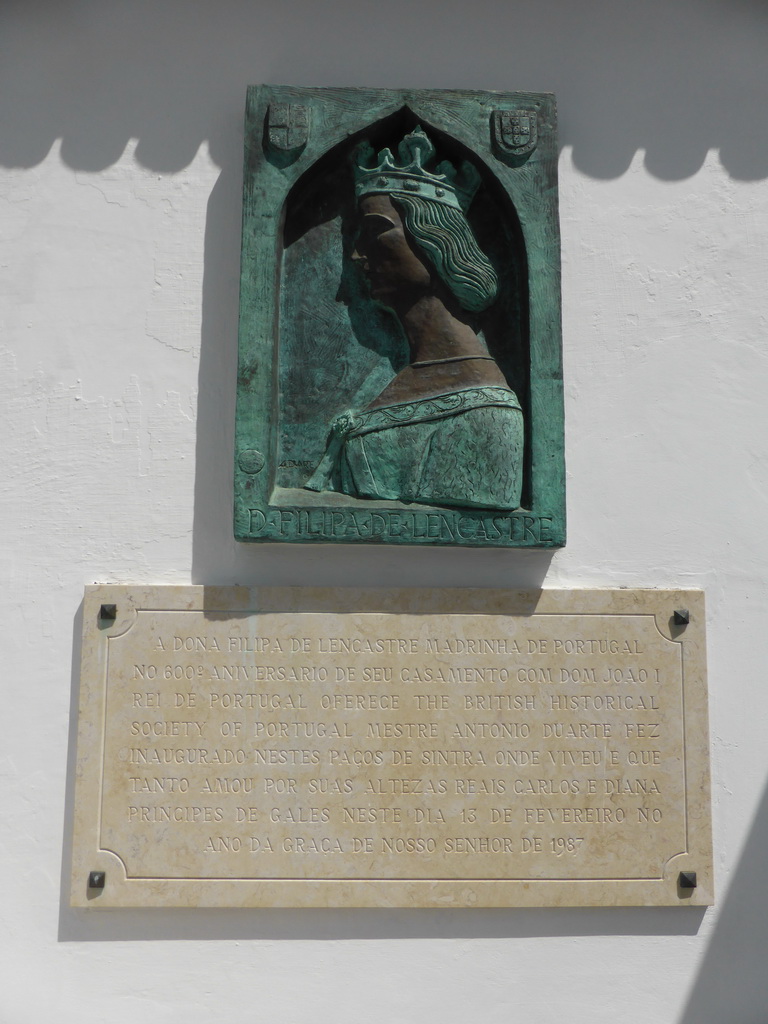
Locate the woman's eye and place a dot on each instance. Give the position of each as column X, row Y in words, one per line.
column 376, row 226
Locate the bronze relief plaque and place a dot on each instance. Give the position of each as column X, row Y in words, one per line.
column 400, row 354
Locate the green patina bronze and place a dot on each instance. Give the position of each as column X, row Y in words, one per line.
column 400, row 354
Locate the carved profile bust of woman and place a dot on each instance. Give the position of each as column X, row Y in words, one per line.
column 447, row 429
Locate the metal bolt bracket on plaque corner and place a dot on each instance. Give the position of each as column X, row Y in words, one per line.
column 107, row 615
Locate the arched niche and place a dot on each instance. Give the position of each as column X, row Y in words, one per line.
column 337, row 348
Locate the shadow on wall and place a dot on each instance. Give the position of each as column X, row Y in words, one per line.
column 155, row 925
column 673, row 79
column 732, row 983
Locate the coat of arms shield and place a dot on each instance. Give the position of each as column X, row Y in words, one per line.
column 514, row 131
column 287, row 127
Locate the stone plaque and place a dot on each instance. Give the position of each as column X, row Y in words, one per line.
column 318, row 747
column 400, row 364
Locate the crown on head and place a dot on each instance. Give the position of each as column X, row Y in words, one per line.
column 443, row 185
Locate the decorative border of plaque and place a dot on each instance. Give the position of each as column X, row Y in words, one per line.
column 378, row 748
column 307, row 349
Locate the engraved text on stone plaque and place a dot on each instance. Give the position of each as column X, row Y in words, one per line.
column 318, row 747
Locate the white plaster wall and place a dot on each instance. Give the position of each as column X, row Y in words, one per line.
column 120, row 155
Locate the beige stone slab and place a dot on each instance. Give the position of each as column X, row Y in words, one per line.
column 454, row 748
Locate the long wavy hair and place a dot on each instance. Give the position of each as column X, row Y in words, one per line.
column 447, row 240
